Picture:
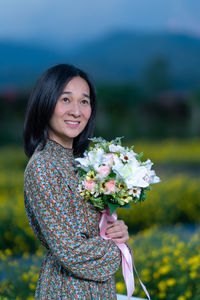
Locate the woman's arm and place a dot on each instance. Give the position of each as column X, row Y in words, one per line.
column 94, row 258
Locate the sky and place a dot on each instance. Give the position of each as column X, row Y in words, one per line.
column 52, row 21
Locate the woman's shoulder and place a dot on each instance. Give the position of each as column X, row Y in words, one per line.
column 39, row 162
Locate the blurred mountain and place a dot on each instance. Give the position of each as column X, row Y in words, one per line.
column 21, row 64
column 116, row 57
column 127, row 56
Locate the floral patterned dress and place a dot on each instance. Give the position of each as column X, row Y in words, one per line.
column 79, row 264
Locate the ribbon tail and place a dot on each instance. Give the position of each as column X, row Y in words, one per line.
column 127, row 271
column 143, row 286
column 127, row 256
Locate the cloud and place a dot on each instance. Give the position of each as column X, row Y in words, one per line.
column 50, row 20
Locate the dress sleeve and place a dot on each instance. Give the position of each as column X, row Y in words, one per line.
column 93, row 258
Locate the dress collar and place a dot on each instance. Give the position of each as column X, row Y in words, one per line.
column 55, row 147
column 57, row 150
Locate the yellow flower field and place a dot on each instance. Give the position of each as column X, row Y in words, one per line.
column 165, row 230
column 170, row 151
column 168, row 262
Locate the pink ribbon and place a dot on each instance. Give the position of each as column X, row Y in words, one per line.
column 127, row 257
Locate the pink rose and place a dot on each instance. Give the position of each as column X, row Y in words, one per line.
column 110, row 186
column 90, row 185
column 103, row 171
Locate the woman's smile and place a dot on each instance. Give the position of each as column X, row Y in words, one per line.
column 72, row 124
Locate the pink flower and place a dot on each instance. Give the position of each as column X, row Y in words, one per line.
column 103, row 171
column 90, row 185
column 110, row 186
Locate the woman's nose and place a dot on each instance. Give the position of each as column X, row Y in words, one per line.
column 75, row 109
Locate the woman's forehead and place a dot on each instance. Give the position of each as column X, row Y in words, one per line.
column 77, row 85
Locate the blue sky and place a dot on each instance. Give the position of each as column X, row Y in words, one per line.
column 52, row 21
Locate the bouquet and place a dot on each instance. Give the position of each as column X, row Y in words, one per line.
column 114, row 176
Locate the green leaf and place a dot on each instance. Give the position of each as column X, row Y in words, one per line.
column 139, row 156
column 112, row 207
column 149, row 188
column 105, row 198
column 142, row 196
column 98, row 202
column 111, row 175
column 126, row 206
column 81, row 172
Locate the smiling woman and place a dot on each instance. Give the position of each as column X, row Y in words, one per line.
column 72, row 112
column 62, row 94
column 79, row 264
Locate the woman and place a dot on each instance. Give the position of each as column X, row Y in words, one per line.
column 79, row 264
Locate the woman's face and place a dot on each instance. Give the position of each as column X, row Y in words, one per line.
column 72, row 112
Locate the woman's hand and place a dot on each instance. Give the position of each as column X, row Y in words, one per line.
column 117, row 231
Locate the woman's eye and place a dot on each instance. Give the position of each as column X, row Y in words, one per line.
column 65, row 99
column 85, row 101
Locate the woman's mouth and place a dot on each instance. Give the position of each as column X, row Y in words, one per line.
column 72, row 124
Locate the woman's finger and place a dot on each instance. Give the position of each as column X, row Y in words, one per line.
column 116, row 223
column 117, row 227
column 120, row 240
column 118, row 234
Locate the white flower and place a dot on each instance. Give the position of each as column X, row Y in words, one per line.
column 148, row 164
column 117, row 166
column 124, row 170
column 96, row 194
column 95, row 156
column 151, row 173
column 115, row 148
column 126, row 156
column 154, row 178
column 135, row 192
column 83, row 163
column 80, row 187
column 108, row 159
column 138, row 178
column 131, row 173
column 93, row 159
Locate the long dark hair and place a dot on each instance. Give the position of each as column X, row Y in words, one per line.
column 42, row 103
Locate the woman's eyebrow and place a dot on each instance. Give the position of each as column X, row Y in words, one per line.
column 66, row 93
column 85, row 95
